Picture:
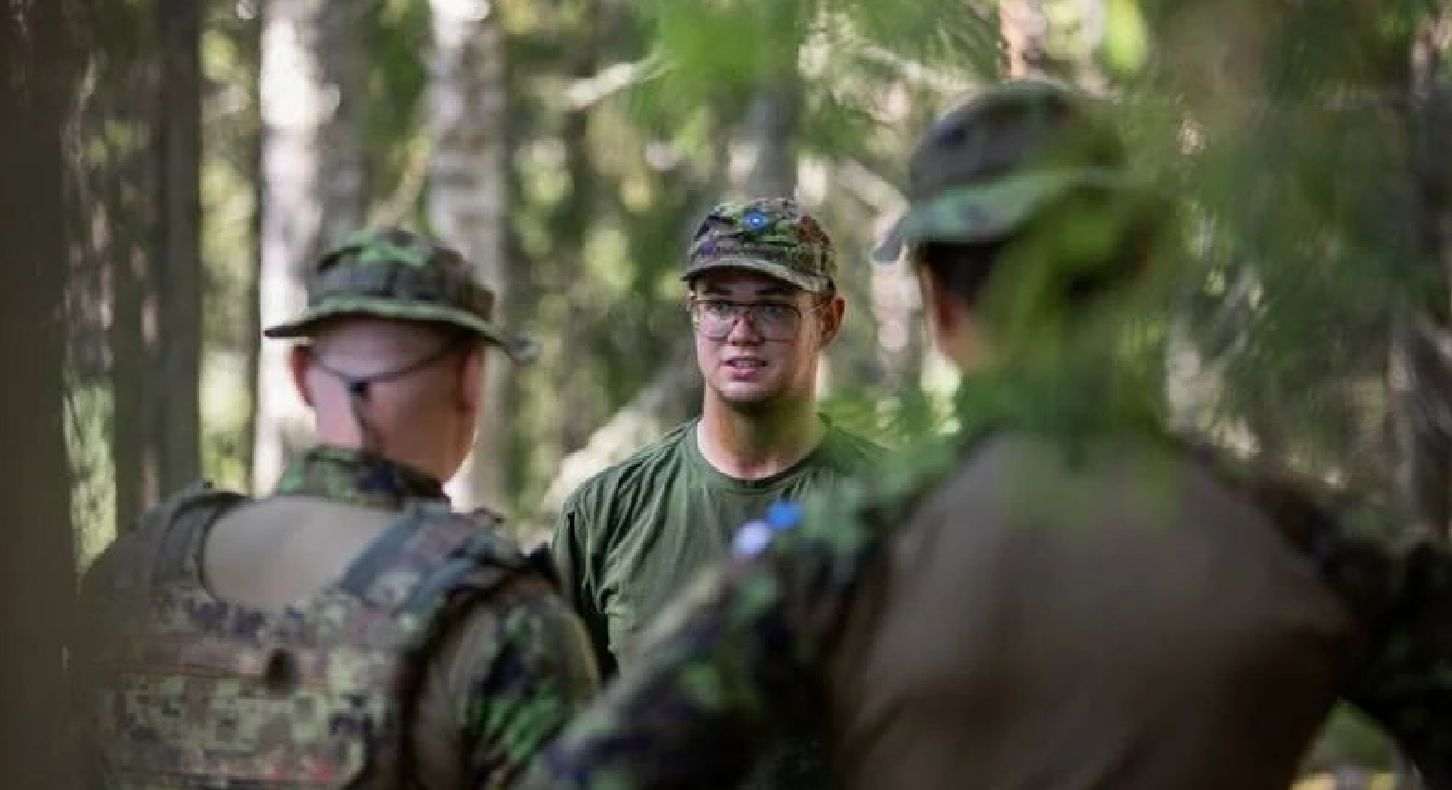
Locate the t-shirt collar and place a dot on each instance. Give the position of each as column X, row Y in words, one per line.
column 723, row 480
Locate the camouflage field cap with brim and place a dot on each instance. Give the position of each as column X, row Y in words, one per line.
column 990, row 165
column 772, row 236
column 395, row 273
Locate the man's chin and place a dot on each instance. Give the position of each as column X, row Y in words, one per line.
column 746, row 398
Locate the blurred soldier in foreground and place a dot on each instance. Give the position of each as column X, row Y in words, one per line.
column 350, row 629
column 764, row 304
column 1063, row 596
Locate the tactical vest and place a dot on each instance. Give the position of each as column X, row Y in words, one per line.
column 190, row 691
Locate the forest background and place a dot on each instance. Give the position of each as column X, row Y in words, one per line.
column 174, row 163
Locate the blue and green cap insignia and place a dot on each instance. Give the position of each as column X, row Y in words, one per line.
column 771, row 236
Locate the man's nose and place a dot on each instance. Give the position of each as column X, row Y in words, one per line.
column 744, row 331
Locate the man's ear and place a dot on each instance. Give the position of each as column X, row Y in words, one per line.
column 300, row 360
column 950, row 320
column 471, row 378
column 832, row 315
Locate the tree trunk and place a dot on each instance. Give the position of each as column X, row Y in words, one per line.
column 1025, row 33
column 156, row 334
column 468, row 199
column 131, row 179
column 1052, row 38
column 769, row 138
column 177, row 419
column 1421, row 355
column 578, row 415
column 38, row 56
column 313, row 94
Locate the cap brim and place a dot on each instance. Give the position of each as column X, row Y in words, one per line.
column 978, row 213
column 806, row 282
column 520, row 348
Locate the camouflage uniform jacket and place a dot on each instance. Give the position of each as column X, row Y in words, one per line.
column 183, row 689
column 748, row 652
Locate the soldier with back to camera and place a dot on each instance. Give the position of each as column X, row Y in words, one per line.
column 350, row 628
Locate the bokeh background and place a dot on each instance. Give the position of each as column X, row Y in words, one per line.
column 173, row 164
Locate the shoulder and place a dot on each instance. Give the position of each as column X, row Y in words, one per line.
column 119, row 579
column 512, row 669
column 200, row 499
column 521, row 637
column 850, row 452
column 471, row 546
column 843, row 524
column 644, row 468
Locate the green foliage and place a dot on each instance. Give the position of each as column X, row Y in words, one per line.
column 1126, row 37
column 949, row 35
column 724, row 49
column 1285, row 128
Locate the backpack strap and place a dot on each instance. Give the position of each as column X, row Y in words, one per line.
column 429, row 555
column 162, row 549
column 183, row 523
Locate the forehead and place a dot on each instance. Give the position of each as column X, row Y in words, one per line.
column 739, row 283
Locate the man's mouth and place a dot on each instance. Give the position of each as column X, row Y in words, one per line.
column 742, row 363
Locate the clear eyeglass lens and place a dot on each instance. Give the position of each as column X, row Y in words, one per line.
column 715, row 318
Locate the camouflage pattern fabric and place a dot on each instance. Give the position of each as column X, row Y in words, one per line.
column 984, row 169
column 742, row 656
column 394, row 273
column 772, row 236
column 190, row 691
column 989, row 211
column 356, row 478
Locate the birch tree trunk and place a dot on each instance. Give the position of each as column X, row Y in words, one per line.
column 1025, row 32
column 313, row 95
column 468, row 197
column 1052, row 38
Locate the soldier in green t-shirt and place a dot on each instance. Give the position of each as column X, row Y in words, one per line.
column 764, row 305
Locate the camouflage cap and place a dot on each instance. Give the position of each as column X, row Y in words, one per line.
column 990, row 165
column 394, row 273
column 768, row 235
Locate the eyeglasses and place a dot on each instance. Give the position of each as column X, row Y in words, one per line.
column 715, row 318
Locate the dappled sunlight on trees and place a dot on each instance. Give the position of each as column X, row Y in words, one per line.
column 1302, row 319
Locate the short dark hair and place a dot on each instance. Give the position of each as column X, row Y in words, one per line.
column 962, row 269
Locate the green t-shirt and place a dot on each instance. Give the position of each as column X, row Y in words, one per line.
column 631, row 538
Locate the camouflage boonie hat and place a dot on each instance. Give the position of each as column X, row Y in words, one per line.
column 986, row 168
column 394, row 273
column 772, row 236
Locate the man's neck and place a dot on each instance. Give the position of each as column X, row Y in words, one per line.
column 759, row 442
